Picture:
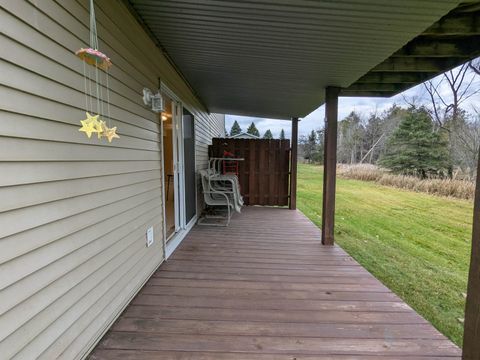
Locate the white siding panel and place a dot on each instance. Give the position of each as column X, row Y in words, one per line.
column 206, row 128
column 14, row 101
column 25, row 241
column 74, row 211
column 14, row 173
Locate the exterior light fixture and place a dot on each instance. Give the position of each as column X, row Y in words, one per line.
column 154, row 101
column 157, row 103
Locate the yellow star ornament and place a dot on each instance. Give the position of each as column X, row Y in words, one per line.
column 100, row 126
column 110, row 133
column 89, row 125
column 93, row 125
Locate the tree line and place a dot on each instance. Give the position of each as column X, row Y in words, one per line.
column 252, row 129
column 430, row 136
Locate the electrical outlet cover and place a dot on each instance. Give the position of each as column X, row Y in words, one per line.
column 149, row 236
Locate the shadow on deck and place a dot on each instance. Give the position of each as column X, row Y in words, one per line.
column 264, row 288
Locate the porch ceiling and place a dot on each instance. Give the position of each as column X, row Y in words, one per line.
column 273, row 58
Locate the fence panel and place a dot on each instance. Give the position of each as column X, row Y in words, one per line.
column 264, row 173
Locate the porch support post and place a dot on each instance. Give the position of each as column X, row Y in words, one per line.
column 471, row 336
column 330, row 164
column 293, row 165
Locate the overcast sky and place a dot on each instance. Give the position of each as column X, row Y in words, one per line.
column 362, row 105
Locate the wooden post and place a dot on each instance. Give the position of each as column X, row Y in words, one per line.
column 471, row 336
column 330, row 164
column 293, row 165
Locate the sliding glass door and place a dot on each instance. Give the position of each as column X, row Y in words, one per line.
column 189, row 165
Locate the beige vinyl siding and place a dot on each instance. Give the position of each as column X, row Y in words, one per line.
column 206, row 128
column 73, row 210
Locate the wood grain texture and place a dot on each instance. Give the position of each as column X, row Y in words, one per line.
column 293, row 165
column 264, row 172
column 235, row 293
column 471, row 343
column 330, row 165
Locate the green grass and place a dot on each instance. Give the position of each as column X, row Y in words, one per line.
column 416, row 244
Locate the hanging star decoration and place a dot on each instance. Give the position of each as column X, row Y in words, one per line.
column 98, row 66
column 110, row 133
column 90, row 125
column 93, row 125
column 100, row 126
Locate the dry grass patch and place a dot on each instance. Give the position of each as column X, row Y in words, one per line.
column 460, row 189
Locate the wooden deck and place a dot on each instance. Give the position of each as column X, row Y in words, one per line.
column 264, row 288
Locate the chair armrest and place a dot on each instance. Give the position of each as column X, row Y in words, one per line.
column 218, row 192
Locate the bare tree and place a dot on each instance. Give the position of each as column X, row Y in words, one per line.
column 466, row 142
column 446, row 95
column 413, row 101
column 475, row 66
column 350, row 139
column 445, row 106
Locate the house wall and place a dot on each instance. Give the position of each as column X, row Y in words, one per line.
column 73, row 210
column 205, row 130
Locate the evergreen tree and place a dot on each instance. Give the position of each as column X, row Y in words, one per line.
column 252, row 129
column 268, row 134
column 282, row 135
column 315, row 155
column 236, row 129
column 309, row 145
column 415, row 148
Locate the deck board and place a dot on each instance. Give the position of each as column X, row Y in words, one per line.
column 265, row 288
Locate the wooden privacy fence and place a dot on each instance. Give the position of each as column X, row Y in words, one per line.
column 264, row 173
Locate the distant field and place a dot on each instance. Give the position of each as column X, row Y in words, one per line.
column 416, row 244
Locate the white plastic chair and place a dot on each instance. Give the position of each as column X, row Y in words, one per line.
column 215, row 198
column 225, row 182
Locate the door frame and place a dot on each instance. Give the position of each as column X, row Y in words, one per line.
column 178, row 167
column 194, row 218
column 179, row 175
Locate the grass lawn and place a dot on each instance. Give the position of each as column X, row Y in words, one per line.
column 416, row 244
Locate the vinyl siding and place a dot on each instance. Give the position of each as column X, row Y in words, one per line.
column 205, row 129
column 73, row 210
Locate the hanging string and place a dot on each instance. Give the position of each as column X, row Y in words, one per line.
column 93, row 27
column 90, row 86
column 108, row 97
column 85, row 85
column 97, row 90
column 94, row 45
column 102, row 113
